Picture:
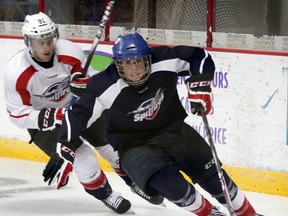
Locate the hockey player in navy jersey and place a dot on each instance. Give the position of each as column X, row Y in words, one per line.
column 145, row 124
column 39, row 81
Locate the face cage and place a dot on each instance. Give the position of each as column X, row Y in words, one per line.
column 144, row 78
column 28, row 38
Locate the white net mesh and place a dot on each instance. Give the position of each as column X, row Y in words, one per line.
column 172, row 14
column 241, row 16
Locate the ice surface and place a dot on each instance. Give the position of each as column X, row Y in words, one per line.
column 24, row 193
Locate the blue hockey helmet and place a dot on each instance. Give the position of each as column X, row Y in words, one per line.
column 130, row 47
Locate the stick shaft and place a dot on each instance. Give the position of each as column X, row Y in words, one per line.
column 100, row 31
column 217, row 164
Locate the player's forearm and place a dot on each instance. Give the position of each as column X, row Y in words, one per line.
column 25, row 120
column 71, row 128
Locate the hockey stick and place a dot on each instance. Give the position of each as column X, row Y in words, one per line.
column 98, row 36
column 217, row 164
column 100, row 31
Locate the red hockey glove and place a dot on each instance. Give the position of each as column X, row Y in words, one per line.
column 60, row 165
column 199, row 93
column 78, row 84
column 49, row 118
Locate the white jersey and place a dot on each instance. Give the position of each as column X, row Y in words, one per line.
column 29, row 87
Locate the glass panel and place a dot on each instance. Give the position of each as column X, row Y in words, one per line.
column 78, row 12
column 16, row 10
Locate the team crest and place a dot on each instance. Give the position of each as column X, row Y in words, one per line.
column 56, row 92
column 148, row 109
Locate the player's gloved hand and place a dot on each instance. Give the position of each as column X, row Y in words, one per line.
column 49, row 118
column 199, row 93
column 78, row 84
column 60, row 165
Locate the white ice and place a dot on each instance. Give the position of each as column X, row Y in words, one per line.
column 24, row 193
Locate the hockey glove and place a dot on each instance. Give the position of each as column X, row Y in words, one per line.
column 78, row 84
column 199, row 93
column 49, row 118
column 60, row 165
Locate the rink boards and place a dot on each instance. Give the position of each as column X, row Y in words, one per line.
column 247, row 179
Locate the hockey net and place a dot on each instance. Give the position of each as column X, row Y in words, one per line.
column 241, row 16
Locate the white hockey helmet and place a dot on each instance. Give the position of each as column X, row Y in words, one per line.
column 38, row 26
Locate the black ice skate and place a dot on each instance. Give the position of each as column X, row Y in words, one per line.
column 215, row 212
column 155, row 200
column 118, row 204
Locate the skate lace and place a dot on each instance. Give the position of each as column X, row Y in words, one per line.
column 215, row 212
column 137, row 190
column 114, row 200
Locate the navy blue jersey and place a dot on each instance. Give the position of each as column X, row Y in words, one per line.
column 137, row 114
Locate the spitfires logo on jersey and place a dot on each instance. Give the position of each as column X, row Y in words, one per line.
column 57, row 91
column 148, row 109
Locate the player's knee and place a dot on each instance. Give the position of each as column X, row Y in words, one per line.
column 171, row 175
column 85, row 163
column 108, row 153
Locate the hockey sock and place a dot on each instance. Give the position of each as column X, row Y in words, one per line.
column 99, row 188
column 242, row 206
column 123, row 175
column 213, row 186
column 194, row 202
column 182, row 194
column 239, row 202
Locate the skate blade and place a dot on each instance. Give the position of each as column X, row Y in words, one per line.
column 163, row 204
column 129, row 212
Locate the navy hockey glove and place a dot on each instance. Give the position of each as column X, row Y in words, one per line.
column 49, row 118
column 60, row 165
column 199, row 93
column 78, row 84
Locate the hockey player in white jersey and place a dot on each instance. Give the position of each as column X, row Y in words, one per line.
column 37, row 92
